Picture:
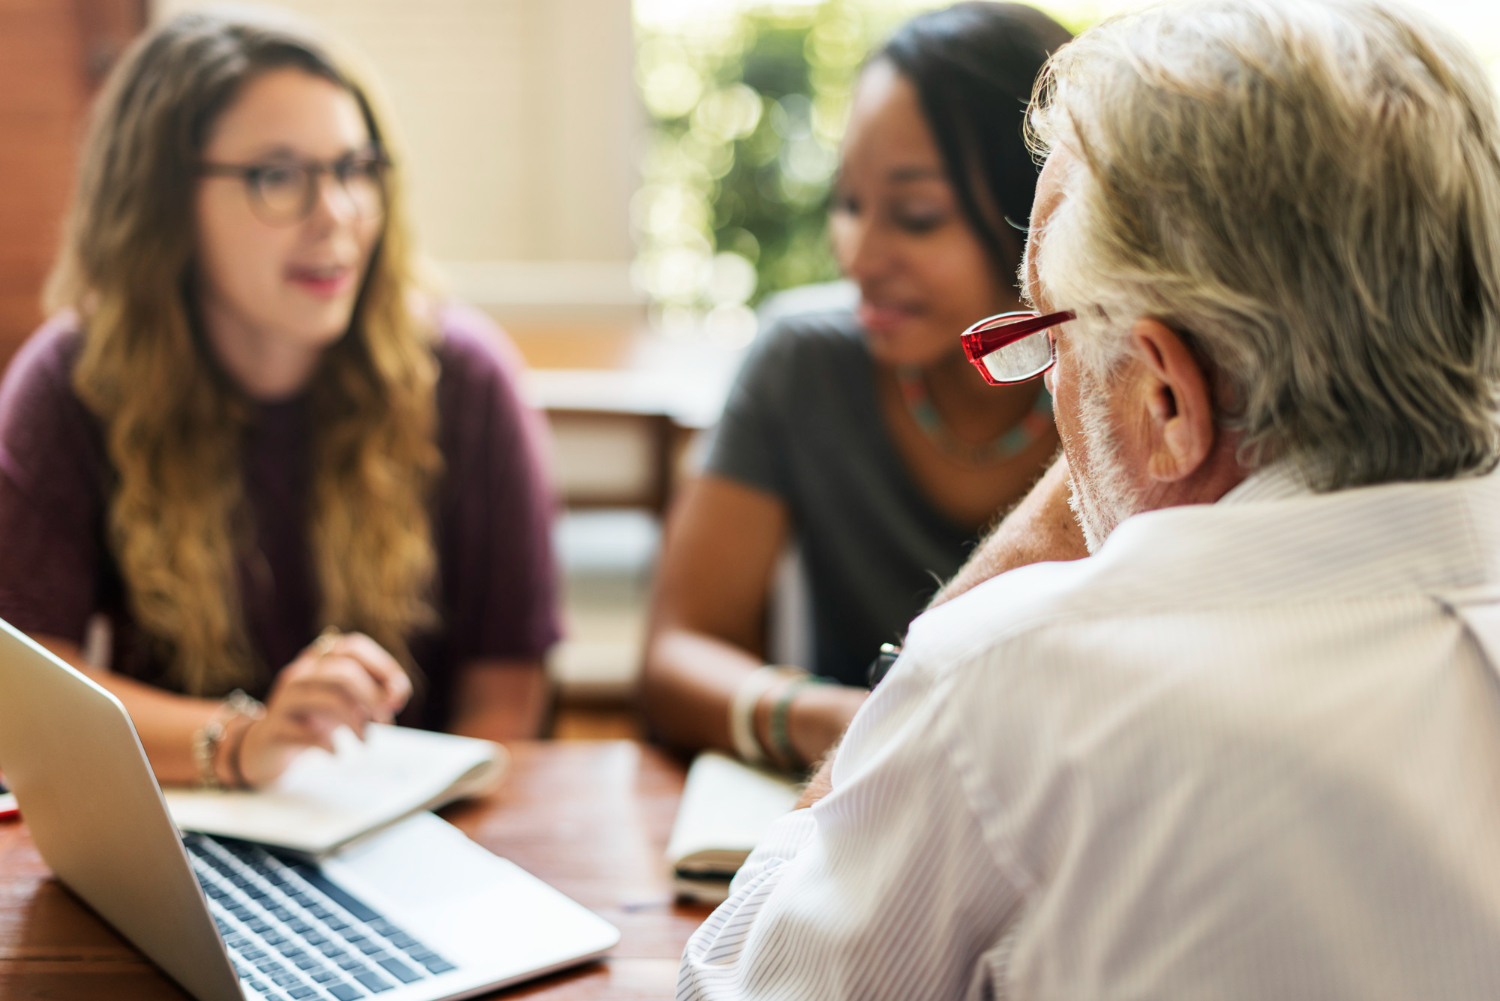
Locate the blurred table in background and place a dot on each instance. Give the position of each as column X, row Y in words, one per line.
column 618, row 436
column 591, row 818
column 623, row 439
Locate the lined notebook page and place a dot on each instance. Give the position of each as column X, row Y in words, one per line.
column 325, row 800
column 726, row 808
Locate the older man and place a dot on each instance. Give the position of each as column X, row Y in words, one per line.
column 1250, row 748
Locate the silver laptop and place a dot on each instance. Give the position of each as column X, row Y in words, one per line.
column 416, row 913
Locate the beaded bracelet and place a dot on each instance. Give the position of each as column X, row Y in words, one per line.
column 781, row 738
column 742, row 710
column 210, row 735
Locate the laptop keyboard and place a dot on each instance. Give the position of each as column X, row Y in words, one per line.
column 294, row 934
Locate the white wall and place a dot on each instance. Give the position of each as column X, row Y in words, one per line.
column 521, row 119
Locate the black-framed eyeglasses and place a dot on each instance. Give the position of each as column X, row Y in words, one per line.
column 285, row 191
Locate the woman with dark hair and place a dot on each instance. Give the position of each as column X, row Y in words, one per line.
column 252, row 443
column 865, row 437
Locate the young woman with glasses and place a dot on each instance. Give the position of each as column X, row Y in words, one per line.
column 866, row 437
column 252, row 443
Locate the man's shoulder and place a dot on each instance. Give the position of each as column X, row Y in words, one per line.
column 983, row 621
column 1212, row 564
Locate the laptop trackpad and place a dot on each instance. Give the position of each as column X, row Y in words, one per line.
column 427, row 876
column 418, row 863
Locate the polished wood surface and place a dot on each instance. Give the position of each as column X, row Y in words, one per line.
column 585, row 718
column 590, row 817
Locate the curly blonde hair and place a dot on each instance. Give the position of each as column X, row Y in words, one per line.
column 177, row 520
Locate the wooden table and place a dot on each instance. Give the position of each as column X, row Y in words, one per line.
column 589, row 817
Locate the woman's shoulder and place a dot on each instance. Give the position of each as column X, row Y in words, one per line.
column 479, row 366
column 806, row 359
column 50, row 352
column 479, row 391
column 41, row 373
column 44, row 425
column 831, row 333
column 470, row 344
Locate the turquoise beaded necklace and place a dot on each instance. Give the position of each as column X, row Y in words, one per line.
column 1007, row 445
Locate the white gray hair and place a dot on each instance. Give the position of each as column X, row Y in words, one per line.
column 1308, row 191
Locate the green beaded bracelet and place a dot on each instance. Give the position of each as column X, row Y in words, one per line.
column 781, row 739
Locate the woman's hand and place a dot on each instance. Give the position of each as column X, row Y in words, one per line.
column 340, row 680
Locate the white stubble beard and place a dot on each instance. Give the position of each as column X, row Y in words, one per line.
column 1104, row 498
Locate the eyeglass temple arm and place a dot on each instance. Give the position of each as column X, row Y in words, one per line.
column 982, row 342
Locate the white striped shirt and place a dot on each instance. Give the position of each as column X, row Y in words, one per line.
column 1248, row 750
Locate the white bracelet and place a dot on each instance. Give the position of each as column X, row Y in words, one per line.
column 742, row 710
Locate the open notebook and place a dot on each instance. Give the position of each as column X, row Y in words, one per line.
column 324, row 801
column 726, row 809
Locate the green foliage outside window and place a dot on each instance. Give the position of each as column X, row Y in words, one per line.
column 746, row 115
column 746, row 111
column 746, row 102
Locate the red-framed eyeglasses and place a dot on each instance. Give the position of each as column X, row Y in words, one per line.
column 1013, row 347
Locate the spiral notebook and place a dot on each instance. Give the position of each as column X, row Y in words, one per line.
column 324, row 801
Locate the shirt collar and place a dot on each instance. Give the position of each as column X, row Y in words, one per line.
column 1278, row 481
column 1373, row 540
column 1429, row 538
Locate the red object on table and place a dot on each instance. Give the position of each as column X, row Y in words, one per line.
column 8, row 808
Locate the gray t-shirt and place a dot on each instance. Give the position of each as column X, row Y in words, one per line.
column 803, row 422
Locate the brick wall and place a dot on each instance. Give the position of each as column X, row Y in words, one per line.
column 52, row 54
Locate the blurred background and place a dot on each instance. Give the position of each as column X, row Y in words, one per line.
column 627, row 187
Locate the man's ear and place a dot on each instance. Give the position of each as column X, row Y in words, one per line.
column 1177, row 405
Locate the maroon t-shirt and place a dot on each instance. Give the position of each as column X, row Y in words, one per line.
column 496, row 584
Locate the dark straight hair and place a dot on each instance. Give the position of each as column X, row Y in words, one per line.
column 974, row 66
